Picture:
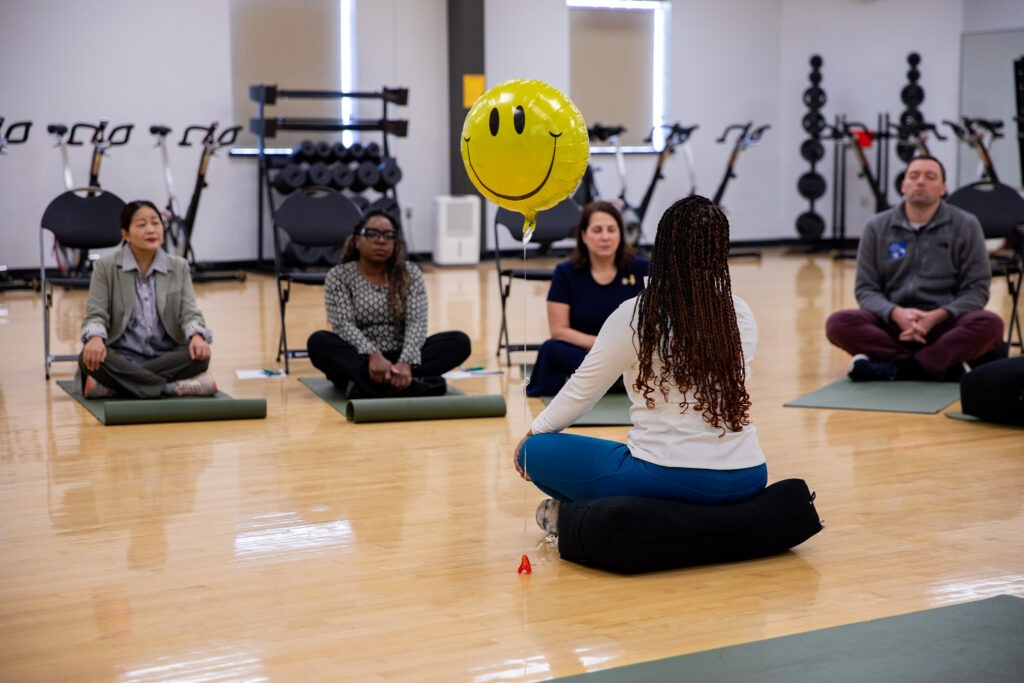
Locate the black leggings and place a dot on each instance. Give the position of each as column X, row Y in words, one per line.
column 341, row 363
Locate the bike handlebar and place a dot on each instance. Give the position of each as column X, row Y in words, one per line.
column 228, row 136
column 915, row 130
column 744, row 127
column 118, row 135
column 18, row 125
column 991, row 125
column 959, row 132
column 602, row 133
column 677, row 134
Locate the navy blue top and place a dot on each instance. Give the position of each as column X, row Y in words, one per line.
column 591, row 303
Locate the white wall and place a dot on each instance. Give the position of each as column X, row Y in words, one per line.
column 731, row 61
column 125, row 61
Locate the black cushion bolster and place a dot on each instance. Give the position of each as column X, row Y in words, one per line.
column 629, row 534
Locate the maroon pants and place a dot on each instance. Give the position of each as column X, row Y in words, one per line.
column 949, row 343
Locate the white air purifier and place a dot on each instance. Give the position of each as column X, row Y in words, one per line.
column 457, row 230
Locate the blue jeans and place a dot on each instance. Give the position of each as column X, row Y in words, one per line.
column 570, row 467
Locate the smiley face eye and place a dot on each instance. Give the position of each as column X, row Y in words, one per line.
column 494, row 121
column 519, row 119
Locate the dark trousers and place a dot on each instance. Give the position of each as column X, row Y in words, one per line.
column 341, row 363
column 949, row 344
column 556, row 361
column 148, row 379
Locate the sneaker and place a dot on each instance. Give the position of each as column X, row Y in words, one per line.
column 863, row 369
column 547, row 516
column 200, row 385
column 93, row 389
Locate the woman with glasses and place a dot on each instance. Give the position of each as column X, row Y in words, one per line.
column 377, row 307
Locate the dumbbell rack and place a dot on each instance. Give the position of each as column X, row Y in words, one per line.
column 264, row 126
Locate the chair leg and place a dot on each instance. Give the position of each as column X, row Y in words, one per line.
column 503, row 342
column 283, row 292
column 46, row 329
column 1013, row 328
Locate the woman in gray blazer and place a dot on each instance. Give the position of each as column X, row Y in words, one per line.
column 144, row 335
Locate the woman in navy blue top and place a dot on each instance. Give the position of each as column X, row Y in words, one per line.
column 602, row 272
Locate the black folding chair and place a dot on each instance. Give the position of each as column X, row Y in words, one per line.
column 1000, row 210
column 555, row 224
column 315, row 220
column 84, row 218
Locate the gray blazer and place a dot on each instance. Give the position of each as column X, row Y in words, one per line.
column 108, row 309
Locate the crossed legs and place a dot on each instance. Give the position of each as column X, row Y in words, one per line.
column 949, row 344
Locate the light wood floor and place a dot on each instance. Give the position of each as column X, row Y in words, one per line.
column 305, row 548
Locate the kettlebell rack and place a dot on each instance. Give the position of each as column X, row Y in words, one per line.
column 265, row 126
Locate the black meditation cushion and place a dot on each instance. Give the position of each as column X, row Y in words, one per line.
column 629, row 534
column 995, row 391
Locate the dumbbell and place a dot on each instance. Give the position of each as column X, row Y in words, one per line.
column 324, row 152
column 291, row 177
column 342, row 175
column 367, row 175
column 340, row 152
column 371, row 152
column 319, row 174
column 305, row 151
column 390, row 174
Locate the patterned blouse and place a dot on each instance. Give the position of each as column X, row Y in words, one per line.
column 358, row 312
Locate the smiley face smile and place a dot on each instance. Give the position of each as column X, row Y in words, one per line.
column 547, row 174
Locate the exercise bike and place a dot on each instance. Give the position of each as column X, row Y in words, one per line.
column 16, row 134
column 676, row 136
column 76, row 261
column 855, row 136
column 587, row 192
column 745, row 139
column 973, row 133
column 178, row 235
column 912, row 141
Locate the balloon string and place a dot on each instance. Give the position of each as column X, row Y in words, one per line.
column 528, row 227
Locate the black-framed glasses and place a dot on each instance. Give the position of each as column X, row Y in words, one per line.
column 375, row 234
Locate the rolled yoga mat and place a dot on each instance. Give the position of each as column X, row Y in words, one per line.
column 123, row 411
column 453, row 405
column 893, row 397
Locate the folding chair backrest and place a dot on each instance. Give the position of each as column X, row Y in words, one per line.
column 317, row 220
column 999, row 208
column 85, row 221
column 556, row 223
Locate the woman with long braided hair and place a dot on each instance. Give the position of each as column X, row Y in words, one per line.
column 377, row 306
column 682, row 347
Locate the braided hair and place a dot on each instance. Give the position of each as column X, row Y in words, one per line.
column 686, row 316
column 394, row 269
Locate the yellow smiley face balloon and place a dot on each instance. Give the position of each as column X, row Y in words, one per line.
column 525, row 147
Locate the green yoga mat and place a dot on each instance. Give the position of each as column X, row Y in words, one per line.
column 893, row 397
column 126, row 411
column 452, row 405
column 975, row 641
column 610, row 410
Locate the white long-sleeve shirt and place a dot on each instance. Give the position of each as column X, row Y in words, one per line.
column 661, row 435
